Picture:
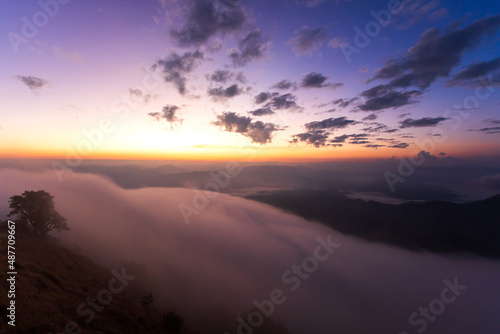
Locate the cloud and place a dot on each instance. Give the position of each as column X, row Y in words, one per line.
column 214, row 260
column 370, row 117
column 258, row 131
column 330, row 123
column 284, row 85
column 400, row 145
column 307, row 41
column 175, row 67
column 168, row 113
column 251, row 47
column 310, row 3
column 375, row 146
column 316, row 138
column 422, row 122
column 473, row 75
column 318, row 80
column 436, row 54
column 378, row 127
column 381, row 97
column 284, row 101
column 489, row 130
column 33, row 83
column 262, row 97
column 205, row 20
column 218, row 94
column 139, row 95
column 262, row 111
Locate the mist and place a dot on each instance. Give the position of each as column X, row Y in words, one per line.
column 235, row 251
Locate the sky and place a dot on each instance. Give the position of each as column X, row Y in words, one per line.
column 294, row 80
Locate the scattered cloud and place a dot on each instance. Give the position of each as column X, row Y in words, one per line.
column 316, row 138
column 33, row 83
column 381, row 97
column 318, row 80
column 330, row 123
column 422, row 122
column 400, row 145
column 169, row 114
column 436, row 54
column 370, row 117
column 471, row 76
column 258, row 131
column 140, row 96
column 204, row 20
column 175, row 67
column 220, row 94
column 307, row 41
column 262, row 111
column 251, row 47
column 284, row 85
column 310, row 3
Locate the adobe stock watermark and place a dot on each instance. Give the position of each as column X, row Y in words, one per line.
column 30, row 27
column 436, row 307
column 104, row 297
column 293, row 279
column 458, row 113
column 95, row 137
column 372, row 29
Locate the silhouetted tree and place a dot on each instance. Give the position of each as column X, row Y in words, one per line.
column 36, row 209
column 172, row 321
column 146, row 302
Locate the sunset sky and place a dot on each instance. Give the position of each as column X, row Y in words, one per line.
column 289, row 79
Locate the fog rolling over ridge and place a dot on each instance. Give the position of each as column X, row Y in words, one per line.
column 236, row 251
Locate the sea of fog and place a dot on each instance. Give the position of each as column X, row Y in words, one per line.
column 236, row 256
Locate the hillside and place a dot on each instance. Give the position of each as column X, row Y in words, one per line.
column 51, row 284
column 436, row 226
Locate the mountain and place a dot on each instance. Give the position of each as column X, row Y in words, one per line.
column 435, row 226
column 54, row 283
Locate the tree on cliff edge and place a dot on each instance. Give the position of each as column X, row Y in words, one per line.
column 36, row 209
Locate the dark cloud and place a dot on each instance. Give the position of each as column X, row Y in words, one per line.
column 381, row 97
column 378, row 127
column 344, row 103
column 284, row 85
column 258, row 131
column 205, row 20
column 225, row 76
column 375, row 146
column 251, row 47
column 175, row 67
column 370, row 117
column 33, row 83
column 318, row 80
column 442, row 153
column 168, row 113
column 339, row 139
column 359, row 142
column 489, row 130
column 307, row 41
column 262, row 97
column 220, row 94
column 470, row 76
column 316, row 138
column 400, row 145
column 422, row 122
column 220, row 76
column 285, row 101
column 436, row 54
column 262, row 111
column 310, row 3
column 330, row 123
column 140, row 96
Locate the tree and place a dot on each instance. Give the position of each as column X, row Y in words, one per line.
column 37, row 210
column 146, row 302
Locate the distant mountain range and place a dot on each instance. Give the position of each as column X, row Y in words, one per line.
column 435, row 226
